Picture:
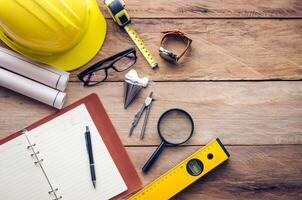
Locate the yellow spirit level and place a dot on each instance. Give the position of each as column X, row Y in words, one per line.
column 117, row 11
column 185, row 173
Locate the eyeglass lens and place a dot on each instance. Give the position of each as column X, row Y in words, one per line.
column 125, row 62
column 100, row 74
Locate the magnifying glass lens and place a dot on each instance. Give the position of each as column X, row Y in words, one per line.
column 175, row 127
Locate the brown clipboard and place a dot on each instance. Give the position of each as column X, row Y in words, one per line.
column 109, row 136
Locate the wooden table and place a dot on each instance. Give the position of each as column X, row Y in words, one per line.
column 241, row 82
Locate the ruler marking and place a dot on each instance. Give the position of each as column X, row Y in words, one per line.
column 140, row 44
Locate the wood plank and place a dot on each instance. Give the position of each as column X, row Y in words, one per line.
column 211, row 9
column 221, row 49
column 240, row 113
column 252, row 172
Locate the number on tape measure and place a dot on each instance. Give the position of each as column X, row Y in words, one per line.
column 141, row 46
column 185, row 173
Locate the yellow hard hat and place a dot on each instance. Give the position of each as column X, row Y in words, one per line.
column 62, row 33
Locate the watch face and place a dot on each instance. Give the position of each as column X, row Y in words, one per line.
column 167, row 55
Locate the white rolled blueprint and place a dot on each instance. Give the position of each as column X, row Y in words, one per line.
column 41, row 73
column 32, row 88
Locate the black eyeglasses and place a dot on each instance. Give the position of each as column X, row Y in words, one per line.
column 98, row 72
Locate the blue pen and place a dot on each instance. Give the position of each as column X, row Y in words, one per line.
column 90, row 155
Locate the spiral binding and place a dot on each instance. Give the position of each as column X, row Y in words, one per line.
column 38, row 161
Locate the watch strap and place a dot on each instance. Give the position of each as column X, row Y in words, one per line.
column 177, row 34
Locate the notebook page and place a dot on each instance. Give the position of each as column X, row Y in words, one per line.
column 62, row 145
column 20, row 178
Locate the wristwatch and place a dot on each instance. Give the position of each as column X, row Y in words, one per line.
column 168, row 54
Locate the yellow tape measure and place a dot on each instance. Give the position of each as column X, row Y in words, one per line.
column 140, row 45
column 185, row 173
column 121, row 17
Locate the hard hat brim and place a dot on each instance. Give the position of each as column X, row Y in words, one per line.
column 79, row 55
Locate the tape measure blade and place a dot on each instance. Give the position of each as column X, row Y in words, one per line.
column 178, row 178
column 140, row 45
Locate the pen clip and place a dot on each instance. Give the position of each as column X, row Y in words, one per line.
column 86, row 138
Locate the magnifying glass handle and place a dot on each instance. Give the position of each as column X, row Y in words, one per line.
column 154, row 156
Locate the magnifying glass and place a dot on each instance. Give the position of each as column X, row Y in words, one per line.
column 174, row 127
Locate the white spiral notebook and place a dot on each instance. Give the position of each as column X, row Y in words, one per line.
column 51, row 162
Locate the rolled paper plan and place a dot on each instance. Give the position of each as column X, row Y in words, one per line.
column 39, row 72
column 31, row 88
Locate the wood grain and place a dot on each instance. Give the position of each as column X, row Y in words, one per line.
column 232, row 40
column 211, row 9
column 251, row 173
column 221, row 49
column 240, row 113
column 224, row 49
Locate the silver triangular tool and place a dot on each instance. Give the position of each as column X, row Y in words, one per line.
column 131, row 90
column 132, row 86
